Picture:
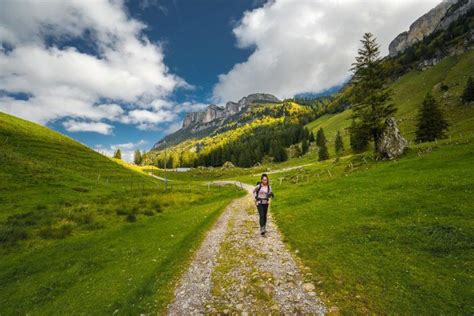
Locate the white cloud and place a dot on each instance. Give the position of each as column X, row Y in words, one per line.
column 127, row 149
column 124, row 68
column 191, row 106
column 97, row 127
column 308, row 46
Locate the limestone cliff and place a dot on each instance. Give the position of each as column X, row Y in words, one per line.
column 199, row 124
column 438, row 18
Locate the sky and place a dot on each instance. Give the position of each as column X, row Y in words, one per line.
column 122, row 73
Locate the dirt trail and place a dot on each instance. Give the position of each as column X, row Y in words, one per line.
column 236, row 270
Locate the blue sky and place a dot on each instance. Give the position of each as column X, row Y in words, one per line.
column 122, row 74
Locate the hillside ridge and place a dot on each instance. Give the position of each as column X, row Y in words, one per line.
column 202, row 123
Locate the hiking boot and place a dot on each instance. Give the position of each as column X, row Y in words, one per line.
column 262, row 230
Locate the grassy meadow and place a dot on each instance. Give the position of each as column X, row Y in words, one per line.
column 408, row 94
column 385, row 238
column 82, row 234
column 392, row 237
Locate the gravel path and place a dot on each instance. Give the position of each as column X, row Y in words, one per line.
column 236, row 270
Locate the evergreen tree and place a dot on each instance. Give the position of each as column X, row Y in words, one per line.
column 468, row 94
column 118, row 154
column 431, row 122
column 278, row 152
column 370, row 96
column 359, row 137
column 311, row 137
column 137, row 157
column 323, row 153
column 339, row 144
column 320, row 138
column 304, row 146
column 244, row 159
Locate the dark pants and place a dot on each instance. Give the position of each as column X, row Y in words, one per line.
column 262, row 211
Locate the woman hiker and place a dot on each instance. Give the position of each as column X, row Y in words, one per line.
column 262, row 193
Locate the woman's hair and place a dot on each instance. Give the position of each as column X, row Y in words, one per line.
column 265, row 176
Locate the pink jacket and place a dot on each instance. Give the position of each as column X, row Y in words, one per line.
column 264, row 194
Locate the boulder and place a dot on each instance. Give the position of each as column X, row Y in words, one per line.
column 228, row 165
column 391, row 143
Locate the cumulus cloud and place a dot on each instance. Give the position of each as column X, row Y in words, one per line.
column 308, row 46
column 97, row 127
column 120, row 64
column 127, row 149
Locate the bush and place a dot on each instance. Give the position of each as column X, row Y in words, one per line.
column 148, row 213
column 9, row 234
column 121, row 211
column 131, row 218
column 156, row 205
column 41, row 207
column 60, row 231
column 24, row 219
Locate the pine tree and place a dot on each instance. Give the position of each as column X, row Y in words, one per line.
column 311, row 137
column 323, row 153
column 137, row 157
column 304, row 146
column 339, row 144
column 278, row 152
column 359, row 137
column 244, row 159
column 320, row 138
column 431, row 122
column 370, row 96
column 118, row 154
column 468, row 94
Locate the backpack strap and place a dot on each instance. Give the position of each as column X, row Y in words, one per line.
column 258, row 190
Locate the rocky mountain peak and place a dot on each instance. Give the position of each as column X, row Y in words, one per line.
column 438, row 18
column 213, row 112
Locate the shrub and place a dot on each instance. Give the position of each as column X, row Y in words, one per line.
column 148, row 213
column 131, row 218
column 60, row 231
column 83, row 218
column 10, row 234
column 121, row 211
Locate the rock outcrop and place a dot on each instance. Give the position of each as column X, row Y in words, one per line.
column 193, row 117
column 203, row 123
column 214, row 112
column 438, row 18
column 391, row 143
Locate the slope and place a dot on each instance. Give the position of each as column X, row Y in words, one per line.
column 81, row 234
column 408, row 93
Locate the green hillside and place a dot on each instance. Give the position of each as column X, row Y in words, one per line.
column 258, row 125
column 81, row 234
column 408, row 93
column 392, row 237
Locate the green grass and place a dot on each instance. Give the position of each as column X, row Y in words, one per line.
column 390, row 237
column 393, row 237
column 82, row 234
column 408, row 94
